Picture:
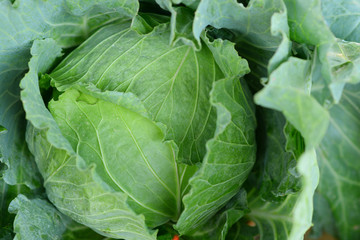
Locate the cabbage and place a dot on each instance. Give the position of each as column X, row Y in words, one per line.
column 180, row 119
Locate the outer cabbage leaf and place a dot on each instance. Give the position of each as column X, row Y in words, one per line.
column 334, row 136
column 76, row 18
column 288, row 91
column 173, row 82
column 334, row 66
column 21, row 23
column 311, row 29
column 277, row 193
column 341, row 65
column 260, row 29
column 339, row 60
column 36, row 219
column 21, row 167
column 291, row 218
column 343, row 18
column 7, row 194
column 74, row 188
column 338, row 154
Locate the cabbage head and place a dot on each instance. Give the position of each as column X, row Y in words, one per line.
column 143, row 134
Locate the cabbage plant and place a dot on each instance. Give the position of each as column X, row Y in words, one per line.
column 183, row 119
